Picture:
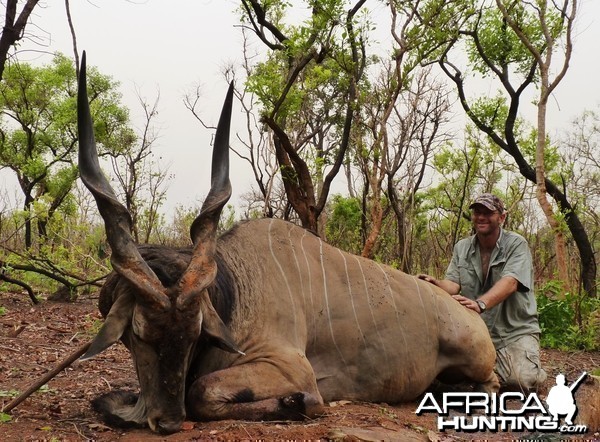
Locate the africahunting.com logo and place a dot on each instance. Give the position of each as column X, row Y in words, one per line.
column 509, row 411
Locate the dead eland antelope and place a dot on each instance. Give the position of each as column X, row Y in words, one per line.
column 267, row 321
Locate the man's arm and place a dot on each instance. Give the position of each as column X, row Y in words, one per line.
column 503, row 288
column 445, row 284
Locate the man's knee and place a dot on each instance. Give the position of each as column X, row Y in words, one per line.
column 525, row 380
column 531, row 377
column 518, row 364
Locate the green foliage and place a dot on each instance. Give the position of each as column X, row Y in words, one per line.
column 92, row 325
column 9, row 393
column 303, row 83
column 440, row 22
column 569, row 322
column 38, row 141
column 552, row 158
column 4, row 418
column 343, row 227
column 228, row 219
column 2, row 310
column 73, row 248
column 500, row 43
column 491, row 111
column 179, row 226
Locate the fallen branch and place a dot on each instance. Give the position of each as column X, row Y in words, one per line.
column 22, row 284
column 44, row 379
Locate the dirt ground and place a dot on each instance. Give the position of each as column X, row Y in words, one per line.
column 34, row 339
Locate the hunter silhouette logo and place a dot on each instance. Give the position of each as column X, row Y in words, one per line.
column 507, row 411
column 560, row 398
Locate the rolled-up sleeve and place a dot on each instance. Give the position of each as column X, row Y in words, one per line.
column 452, row 272
column 519, row 264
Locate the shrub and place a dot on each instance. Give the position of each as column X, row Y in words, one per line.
column 568, row 322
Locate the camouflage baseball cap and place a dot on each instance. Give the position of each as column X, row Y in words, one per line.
column 490, row 201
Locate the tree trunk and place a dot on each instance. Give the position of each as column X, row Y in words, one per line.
column 297, row 180
column 403, row 213
column 13, row 27
column 376, row 220
column 28, row 222
column 541, row 192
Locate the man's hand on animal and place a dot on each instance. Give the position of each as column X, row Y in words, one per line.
column 468, row 303
column 448, row 286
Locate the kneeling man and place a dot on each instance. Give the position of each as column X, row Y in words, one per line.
column 491, row 272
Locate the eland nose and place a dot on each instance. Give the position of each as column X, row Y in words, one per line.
column 166, row 425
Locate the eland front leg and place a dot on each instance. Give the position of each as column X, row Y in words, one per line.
column 256, row 391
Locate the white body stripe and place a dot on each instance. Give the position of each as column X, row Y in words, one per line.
column 326, row 295
column 350, row 294
column 285, row 279
column 383, row 349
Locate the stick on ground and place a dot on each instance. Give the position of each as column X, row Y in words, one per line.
column 44, row 379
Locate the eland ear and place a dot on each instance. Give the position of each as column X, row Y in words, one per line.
column 114, row 326
column 214, row 327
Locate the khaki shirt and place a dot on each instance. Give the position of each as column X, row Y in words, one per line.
column 515, row 316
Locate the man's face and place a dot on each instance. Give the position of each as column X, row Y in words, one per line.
column 486, row 221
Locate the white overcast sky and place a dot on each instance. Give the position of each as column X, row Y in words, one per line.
column 170, row 46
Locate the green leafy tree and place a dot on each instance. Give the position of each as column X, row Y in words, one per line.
column 38, row 136
column 539, row 33
column 343, row 223
column 308, row 86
